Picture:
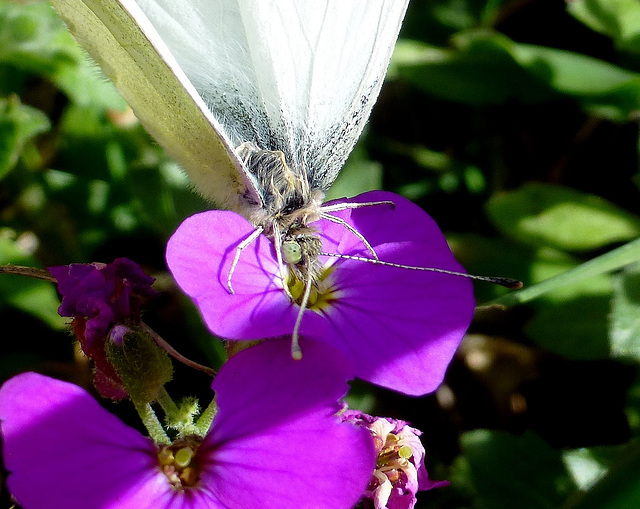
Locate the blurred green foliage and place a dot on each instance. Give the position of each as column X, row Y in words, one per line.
column 514, row 123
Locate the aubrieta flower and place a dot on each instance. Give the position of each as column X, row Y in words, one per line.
column 400, row 471
column 275, row 442
column 399, row 327
column 101, row 298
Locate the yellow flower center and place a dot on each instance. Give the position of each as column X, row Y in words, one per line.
column 322, row 289
column 180, row 463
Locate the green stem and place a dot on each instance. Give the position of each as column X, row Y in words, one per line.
column 151, row 422
column 206, row 418
column 615, row 259
column 168, row 405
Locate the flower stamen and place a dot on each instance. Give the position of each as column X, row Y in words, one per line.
column 179, row 462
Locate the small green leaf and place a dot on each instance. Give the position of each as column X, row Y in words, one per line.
column 481, row 72
column 500, row 469
column 18, row 124
column 613, row 260
column 359, row 175
column 574, row 328
column 34, row 39
column 545, row 215
column 624, row 321
column 33, row 296
column 487, row 67
column 618, row 489
column 618, row 19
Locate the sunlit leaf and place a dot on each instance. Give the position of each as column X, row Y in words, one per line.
column 489, row 68
column 613, row 260
column 501, row 469
column 33, row 39
column 545, row 215
column 618, row 19
column 624, row 321
column 618, row 489
column 482, row 72
column 19, row 123
column 33, row 296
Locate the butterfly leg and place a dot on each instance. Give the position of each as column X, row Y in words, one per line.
column 277, row 240
column 342, row 222
column 241, row 247
column 354, row 205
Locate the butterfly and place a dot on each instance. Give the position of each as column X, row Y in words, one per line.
column 260, row 102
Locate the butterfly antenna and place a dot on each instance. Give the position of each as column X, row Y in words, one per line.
column 513, row 284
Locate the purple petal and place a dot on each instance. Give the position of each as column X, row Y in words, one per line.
column 63, row 449
column 128, row 271
column 381, row 224
column 77, row 283
column 401, row 501
column 405, row 339
column 277, row 442
column 399, row 327
column 200, row 254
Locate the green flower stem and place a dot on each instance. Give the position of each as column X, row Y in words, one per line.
column 168, row 405
column 151, row 422
column 615, row 259
column 206, row 418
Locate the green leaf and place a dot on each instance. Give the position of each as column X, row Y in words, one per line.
column 18, row 124
column 545, row 215
column 574, row 328
column 613, row 260
column 85, row 85
column 489, row 68
column 500, row 469
column 618, row 19
column 599, row 87
column 34, row 39
column 359, row 175
column 502, row 257
column 32, row 296
column 481, row 72
column 618, row 489
column 624, row 321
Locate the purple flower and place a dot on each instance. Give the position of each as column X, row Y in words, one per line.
column 275, row 442
column 102, row 294
column 99, row 296
column 400, row 472
column 399, row 327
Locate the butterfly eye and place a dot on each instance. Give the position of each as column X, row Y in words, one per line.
column 291, row 252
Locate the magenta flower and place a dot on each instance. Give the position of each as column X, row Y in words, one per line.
column 400, row 472
column 399, row 327
column 102, row 294
column 275, row 442
column 100, row 297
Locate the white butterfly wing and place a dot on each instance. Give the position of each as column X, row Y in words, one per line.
column 299, row 76
column 120, row 38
